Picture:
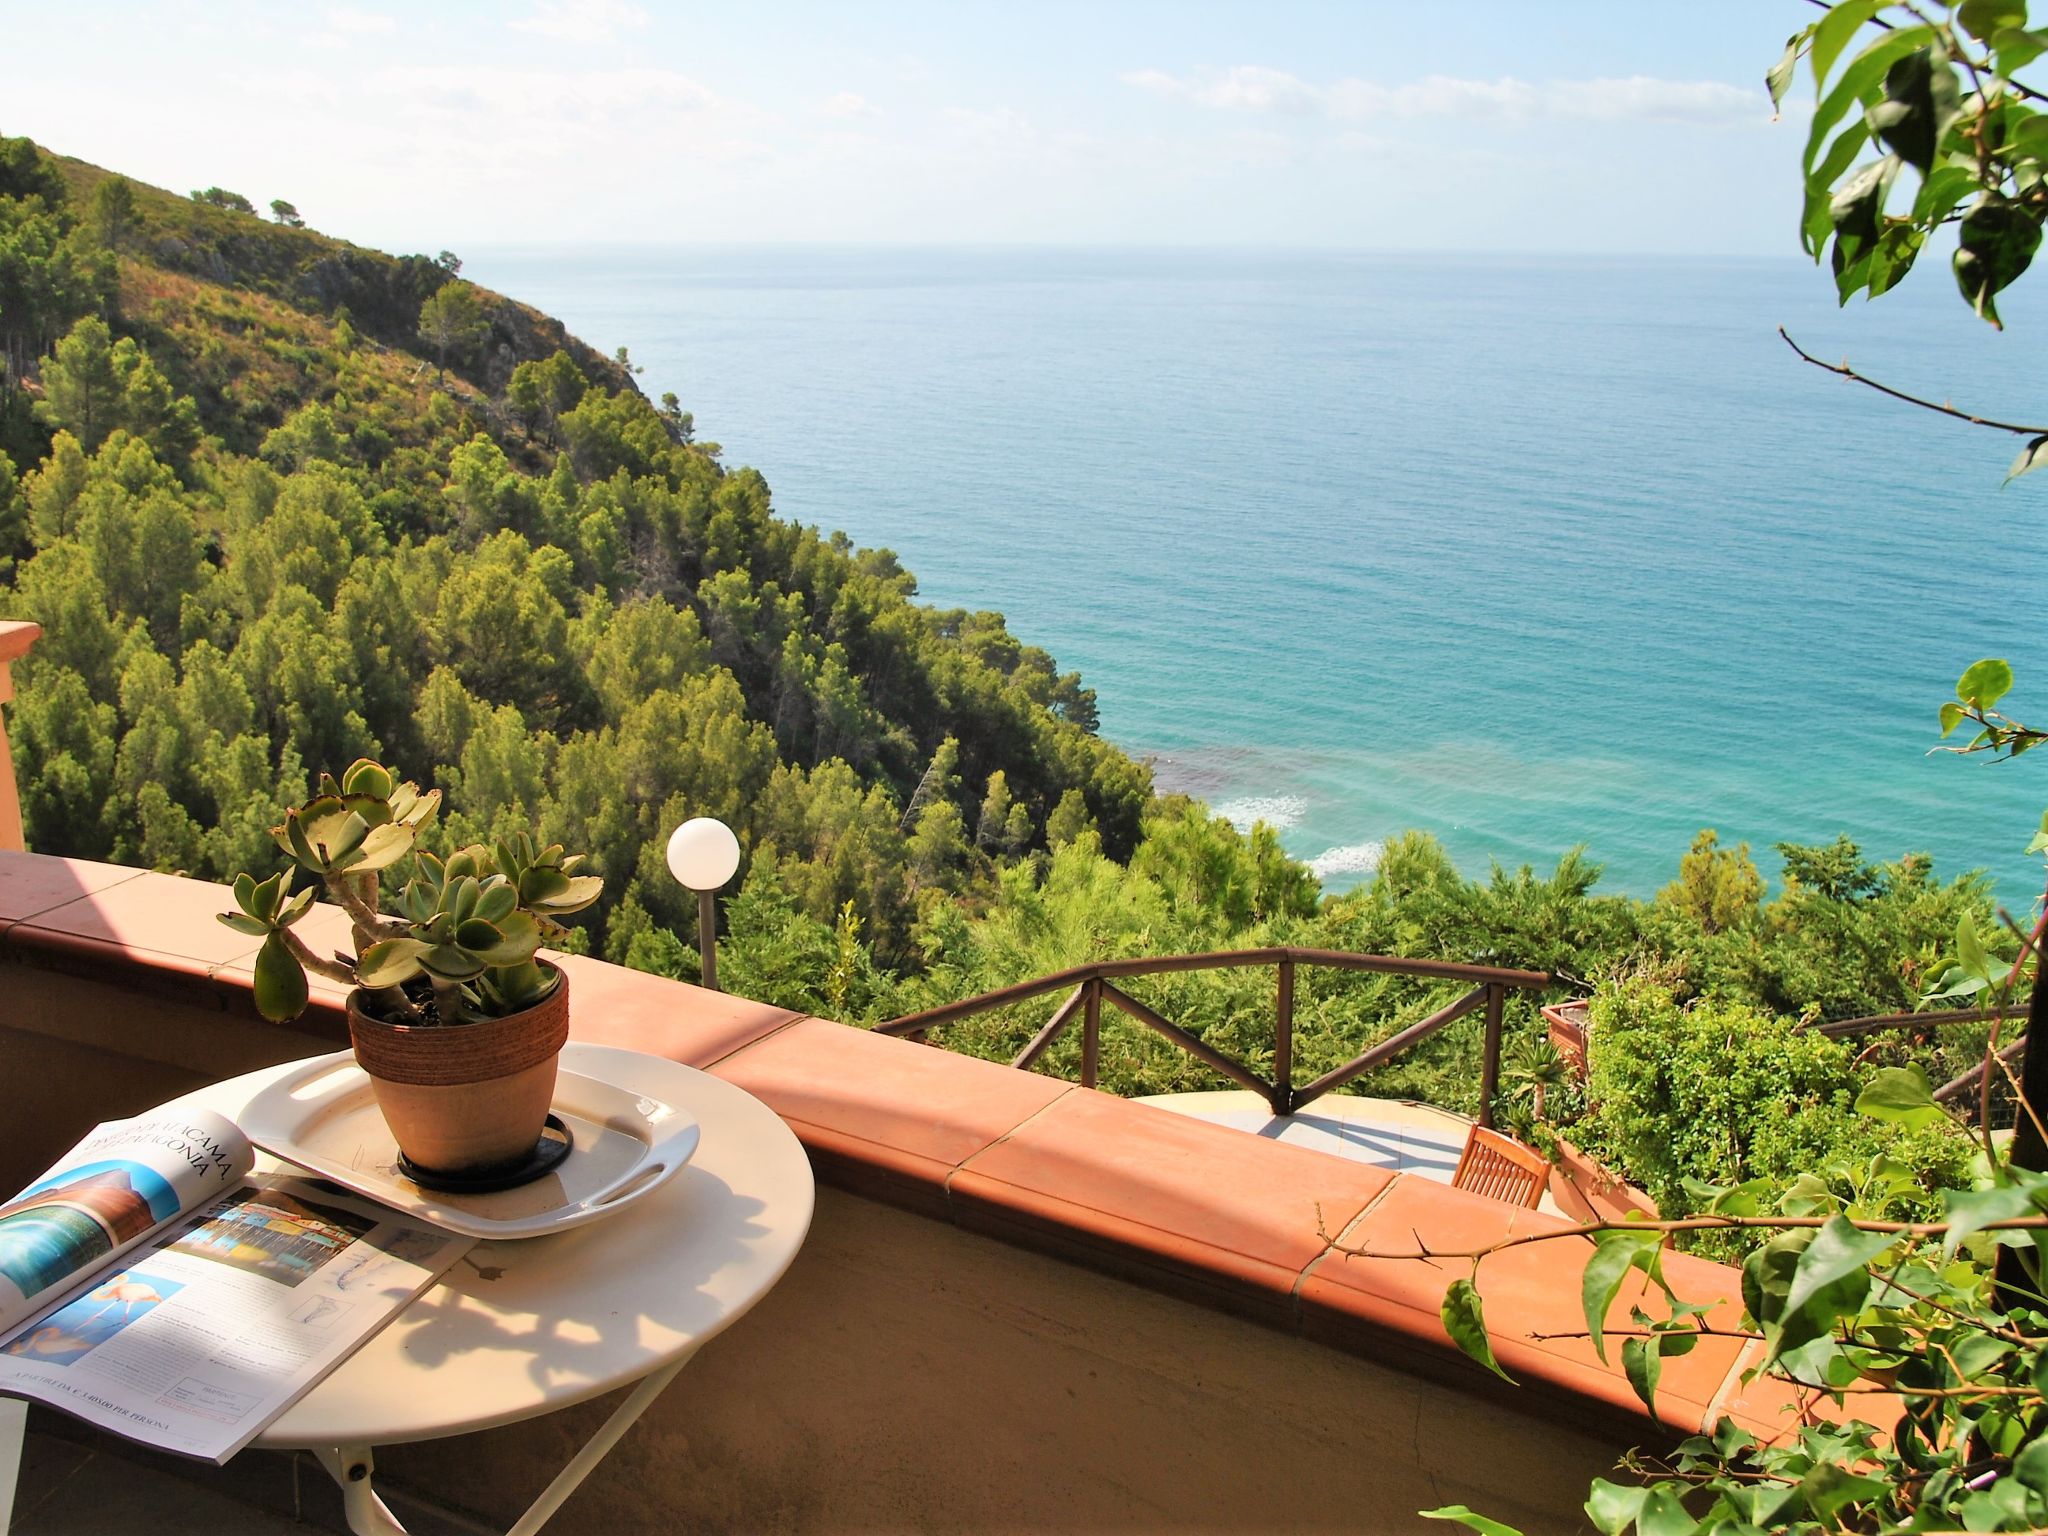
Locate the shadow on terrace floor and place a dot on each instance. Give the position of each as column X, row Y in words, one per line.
column 76, row 1481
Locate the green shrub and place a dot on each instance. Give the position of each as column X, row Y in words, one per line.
column 1719, row 1092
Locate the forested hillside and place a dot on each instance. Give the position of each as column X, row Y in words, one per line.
column 280, row 502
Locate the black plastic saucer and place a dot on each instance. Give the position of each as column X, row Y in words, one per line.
column 546, row 1156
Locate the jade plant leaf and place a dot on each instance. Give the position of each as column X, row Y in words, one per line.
column 389, row 962
column 280, row 982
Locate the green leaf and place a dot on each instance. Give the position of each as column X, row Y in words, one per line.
column 513, row 987
column 1466, row 1517
column 1778, row 78
column 389, row 962
column 384, row 846
column 1996, row 244
column 1664, row 1514
column 1970, row 951
column 1970, row 1211
column 1642, row 1363
column 518, row 938
column 1832, row 32
column 1941, row 191
column 1898, row 246
column 477, row 936
column 254, row 927
column 578, row 892
column 1760, row 1503
column 1819, row 184
column 331, row 829
column 2031, row 458
column 1614, row 1256
column 1858, row 80
column 2040, row 840
column 447, row 963
column 1952, row 715
column 1985, row 683
column 1985, row 19
column 1613, row 1507
column 2017, row 48
column 2031, row 1466
column 1838, row 1252
column 540, row 887
column 1902, row 1094
column 1807, row 1195
column 366, row 776
column 1921, row 99
column 279, row 983
column 1767, row 1276
column 1855, row 212
column 1828, row 1488
column 496, row 904
column 1464, row 1319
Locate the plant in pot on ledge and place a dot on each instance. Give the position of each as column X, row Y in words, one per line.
column 455, row 1019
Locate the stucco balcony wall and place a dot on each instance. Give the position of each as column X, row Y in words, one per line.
column 1023, row 1305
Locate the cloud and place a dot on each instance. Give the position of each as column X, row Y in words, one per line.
column 1639, row 98
column 1246, row 88
column 347, row 19
column 580, row 21
column 586, row 95
column 849, row 104
column 502, row 127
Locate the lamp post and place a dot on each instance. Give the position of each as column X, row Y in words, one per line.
column 702, row 855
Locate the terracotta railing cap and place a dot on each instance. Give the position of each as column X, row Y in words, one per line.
column 16, row 636
column 1231, row 1221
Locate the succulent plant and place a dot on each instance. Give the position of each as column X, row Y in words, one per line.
column 462, row 943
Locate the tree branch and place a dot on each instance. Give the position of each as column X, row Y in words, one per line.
column 365, row 917
column 1592, row 1229
column 333, row 970
column 1898, row 394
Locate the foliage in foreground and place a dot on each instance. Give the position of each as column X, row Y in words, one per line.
column 1929, row 1339
column 1924, row 1378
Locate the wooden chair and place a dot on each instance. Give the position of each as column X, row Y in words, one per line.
column 1501, row 1168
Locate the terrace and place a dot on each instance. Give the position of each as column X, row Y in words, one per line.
column 1023, row 1303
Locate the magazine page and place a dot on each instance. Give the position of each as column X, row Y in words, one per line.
column 122, row 1183
column 198, row 1340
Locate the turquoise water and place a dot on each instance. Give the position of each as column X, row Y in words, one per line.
column 1527, row 552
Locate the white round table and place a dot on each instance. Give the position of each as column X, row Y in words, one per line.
column 519, row 1329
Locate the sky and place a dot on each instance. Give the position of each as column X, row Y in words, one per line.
column 1603, row 126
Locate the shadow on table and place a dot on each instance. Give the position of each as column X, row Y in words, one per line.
column 641, row 1280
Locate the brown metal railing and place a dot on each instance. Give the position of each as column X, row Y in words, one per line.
column 1089, row 986
column 1955, row 1088
column 1844, row 1028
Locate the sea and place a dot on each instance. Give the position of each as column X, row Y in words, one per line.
column 1533, row 553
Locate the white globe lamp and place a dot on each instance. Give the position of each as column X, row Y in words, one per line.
column 703, row 854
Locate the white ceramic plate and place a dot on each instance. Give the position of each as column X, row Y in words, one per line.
column 323, row 1116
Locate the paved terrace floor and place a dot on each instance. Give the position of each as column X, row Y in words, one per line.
column 76, row 1481
column 1398, row 1135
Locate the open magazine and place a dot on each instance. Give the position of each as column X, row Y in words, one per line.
column 150, row 1285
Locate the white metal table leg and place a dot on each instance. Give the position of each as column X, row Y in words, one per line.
column 570, row 1478
column 13, row 1441
column 352, row 1466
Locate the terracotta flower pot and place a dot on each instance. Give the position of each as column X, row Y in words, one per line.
column 464, row 1097
column 1569, row 1032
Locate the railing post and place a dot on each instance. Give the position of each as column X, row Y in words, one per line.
column 15, row 639
column 1283, row 1041
column 1489, row 1071
column 1091, row 1033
